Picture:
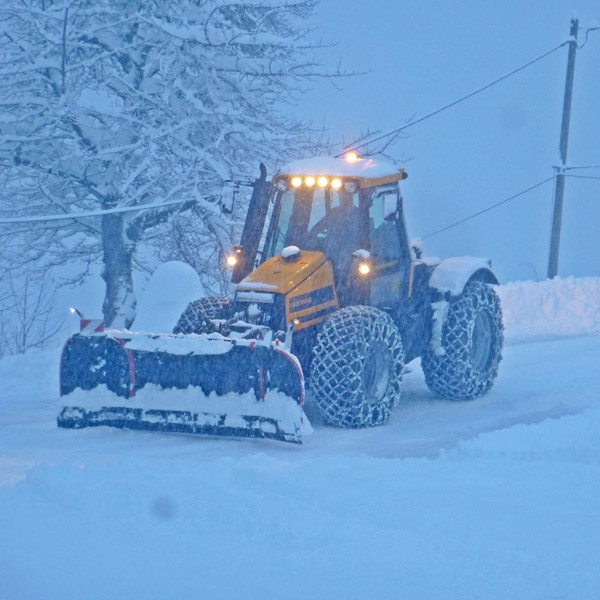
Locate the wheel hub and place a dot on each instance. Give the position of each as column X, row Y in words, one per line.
column 376, row 374
column 481, row 348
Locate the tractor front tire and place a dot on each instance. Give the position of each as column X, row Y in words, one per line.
column 463, row 364
column 199, row 314
column 356, row 372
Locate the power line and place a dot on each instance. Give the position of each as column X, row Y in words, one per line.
column 93, row 213
column 582, row 176
column 481, row 212
column 587, row 33
column 455, row 102
column 578, row 167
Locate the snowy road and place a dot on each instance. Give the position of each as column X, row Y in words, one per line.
column 493, row 498
column 537, row 381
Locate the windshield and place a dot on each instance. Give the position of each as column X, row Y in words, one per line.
column 307, row 218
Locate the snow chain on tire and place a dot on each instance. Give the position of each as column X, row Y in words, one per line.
column 357, row 367
column 465, row 364
column 196, row 318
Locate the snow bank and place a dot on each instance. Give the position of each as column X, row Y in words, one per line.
column 552, row 308
column 172, row 287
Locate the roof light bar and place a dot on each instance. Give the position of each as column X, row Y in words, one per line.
column 321, row 181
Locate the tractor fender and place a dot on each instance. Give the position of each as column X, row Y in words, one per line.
column 452, row 275
column 449, row 279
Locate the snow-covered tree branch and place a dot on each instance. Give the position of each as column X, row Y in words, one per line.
column 120, row 103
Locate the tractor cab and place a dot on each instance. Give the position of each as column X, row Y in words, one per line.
column 336, row 237
column 350, row 209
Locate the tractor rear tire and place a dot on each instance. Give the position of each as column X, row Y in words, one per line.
column 198, row 315
column 464, row 363
column 356, row 372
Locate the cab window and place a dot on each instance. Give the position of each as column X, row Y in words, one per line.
column 383, row 226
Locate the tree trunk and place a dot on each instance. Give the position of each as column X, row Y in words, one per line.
column 119, row 302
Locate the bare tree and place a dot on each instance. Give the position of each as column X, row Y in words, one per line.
column 26, row 318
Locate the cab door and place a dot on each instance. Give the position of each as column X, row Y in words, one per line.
column 389, row 248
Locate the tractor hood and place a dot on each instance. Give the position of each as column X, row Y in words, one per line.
column 280, row 275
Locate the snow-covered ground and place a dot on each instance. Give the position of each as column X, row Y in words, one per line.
column 495, row 498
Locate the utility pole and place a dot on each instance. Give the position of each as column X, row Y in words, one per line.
column 559, row 190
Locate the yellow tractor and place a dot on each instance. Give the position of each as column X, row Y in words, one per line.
column 337, row 270
column 327, row 283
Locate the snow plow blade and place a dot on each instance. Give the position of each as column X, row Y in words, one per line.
column 199, row 384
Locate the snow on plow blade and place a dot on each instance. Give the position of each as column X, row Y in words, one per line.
column 203, row 384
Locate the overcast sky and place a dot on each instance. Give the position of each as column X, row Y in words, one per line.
column 422, row 55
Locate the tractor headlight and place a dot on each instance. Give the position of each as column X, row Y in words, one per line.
column 233, row 258
column 364, row 268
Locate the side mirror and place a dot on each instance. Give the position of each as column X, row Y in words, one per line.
column 390, row 206
column 416, row 246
